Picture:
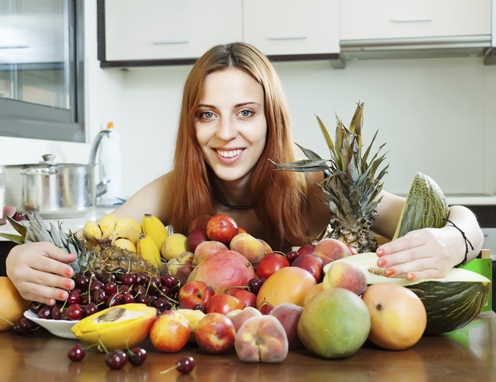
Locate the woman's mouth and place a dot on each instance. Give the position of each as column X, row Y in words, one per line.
column 229, row 153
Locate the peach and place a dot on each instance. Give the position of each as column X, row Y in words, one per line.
column 239, row 316
column 261, row 339
column 223, row 270
column 249, row 246
column 222, row 227
column 342, row 274
column 215, row 333
column 207, row 249
column 223, row 303
column 180, row 266
column 288, row 315
column 267, row 247
column 331, row 249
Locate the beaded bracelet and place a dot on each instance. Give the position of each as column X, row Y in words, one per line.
column 467, row 242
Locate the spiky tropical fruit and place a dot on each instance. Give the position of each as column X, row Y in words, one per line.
column 107, row 260
column 352, row 183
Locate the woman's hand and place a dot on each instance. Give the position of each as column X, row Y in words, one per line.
column 40, row 272
column 422, row 254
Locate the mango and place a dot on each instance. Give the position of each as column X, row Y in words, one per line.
column 334, row 324
column 117, row 327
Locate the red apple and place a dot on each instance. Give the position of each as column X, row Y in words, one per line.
column 306, row 248
column 222, row 227
column 194, row 295
column 247, row 298
column 170, row 332
column 288, row 315
column 239, row 316
column 196, row 237
column 206, row 249
column 271, row 263
column 215, row 333
column 223, row 270
column 261, row 339
column 223, row 303
column 312, row 264
column 331, row 249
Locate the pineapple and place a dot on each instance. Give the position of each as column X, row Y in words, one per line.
column 108, row 260
column 350, row 184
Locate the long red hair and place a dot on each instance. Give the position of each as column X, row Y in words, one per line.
column 279, row 197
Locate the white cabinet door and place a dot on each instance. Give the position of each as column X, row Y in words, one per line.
column 168, row 29
column 292, row 27
column 407, row 19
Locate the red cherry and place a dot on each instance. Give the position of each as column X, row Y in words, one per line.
column 76, row 353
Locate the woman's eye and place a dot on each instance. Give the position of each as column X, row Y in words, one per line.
column 207, row 114
column 246, row 113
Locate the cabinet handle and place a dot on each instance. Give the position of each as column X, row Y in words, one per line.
column 414, row 20
column 170, row 42
column 278, row 38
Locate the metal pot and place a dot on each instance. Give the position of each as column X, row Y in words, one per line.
column 56, row 190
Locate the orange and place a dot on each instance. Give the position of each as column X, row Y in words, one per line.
column 398, row 316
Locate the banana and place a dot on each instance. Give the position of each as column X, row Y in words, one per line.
column 125, row 244
column 107, row 224
column 127, row 228
column 149, row 250
column 92, row 231
column 152, row 226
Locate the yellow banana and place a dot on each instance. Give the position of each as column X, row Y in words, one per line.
column 107, row 224
column 127, row 228
column 152, row 226
column 92, row 231
column 125, row 244
column 149, row 250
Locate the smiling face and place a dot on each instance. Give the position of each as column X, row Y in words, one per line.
column 230, row 123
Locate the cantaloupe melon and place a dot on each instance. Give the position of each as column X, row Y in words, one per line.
column 451, row 302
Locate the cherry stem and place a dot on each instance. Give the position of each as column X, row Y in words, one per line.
column 9, row 322
column 169, row 369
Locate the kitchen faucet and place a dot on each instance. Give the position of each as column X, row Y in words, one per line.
column 101, row 187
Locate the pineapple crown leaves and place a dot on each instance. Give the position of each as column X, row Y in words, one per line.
column 347, row 171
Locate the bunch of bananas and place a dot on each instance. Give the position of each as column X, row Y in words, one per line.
column 145, row 238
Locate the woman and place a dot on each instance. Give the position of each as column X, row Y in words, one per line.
column 233, row 120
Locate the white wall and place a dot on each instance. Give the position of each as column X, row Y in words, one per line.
column 436, row 115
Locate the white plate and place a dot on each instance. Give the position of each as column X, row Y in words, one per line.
column 60, row 328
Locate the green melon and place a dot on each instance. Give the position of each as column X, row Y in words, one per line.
column 451, row 302
column 425, row 207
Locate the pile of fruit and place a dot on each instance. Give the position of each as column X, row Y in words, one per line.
column 222, row 289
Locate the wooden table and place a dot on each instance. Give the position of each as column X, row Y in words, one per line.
column 468, row 354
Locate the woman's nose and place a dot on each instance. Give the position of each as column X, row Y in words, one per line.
column 226, row 129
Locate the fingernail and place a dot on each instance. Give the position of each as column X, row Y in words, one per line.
column 410, row 276
column 382, row 262
column 68, row 272
column 379, row 252
column 62, row 295
column 389, row 272
column 68, row 284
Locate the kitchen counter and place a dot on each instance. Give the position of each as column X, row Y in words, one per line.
column 467, row 354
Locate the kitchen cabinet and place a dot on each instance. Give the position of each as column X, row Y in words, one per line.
column 164, row 29
column 406, row 24
column 162, row 32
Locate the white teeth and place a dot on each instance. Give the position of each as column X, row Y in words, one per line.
column 230, row 153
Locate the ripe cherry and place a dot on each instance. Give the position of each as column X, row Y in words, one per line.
column 184, row 365
column 255, row 284
column 136, row 356
column 76, row 353
column 73, row 312
column 116, row 359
